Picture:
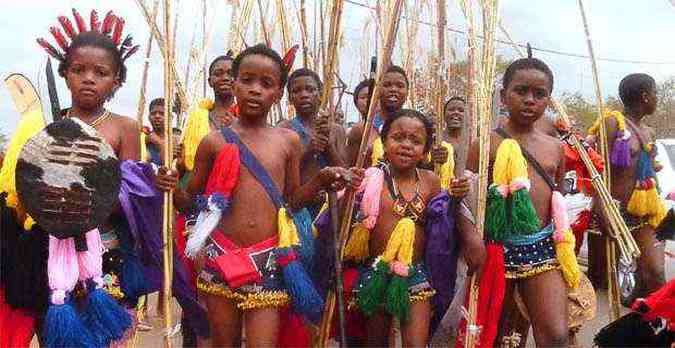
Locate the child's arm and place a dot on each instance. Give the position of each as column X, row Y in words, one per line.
column 471, row 244
column 353, row 143
column 130, row 140
column 337, row 146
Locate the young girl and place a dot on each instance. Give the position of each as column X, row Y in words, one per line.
column 395, row 226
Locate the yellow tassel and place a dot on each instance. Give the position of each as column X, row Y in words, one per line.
column 144, row 149
column 567, row 259
column 288, row 233
column 357, row 248
column 647, row 204
column 401, row 242
column 448, row 168
column 607, row 114
column 196, row 129
column 377, row 152
column 509, row 163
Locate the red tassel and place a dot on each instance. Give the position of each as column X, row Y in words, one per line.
column 108, row 23
column 289, row 57
column 81, row 27
column 67, row 26
column 60, row 39
column 95, row 23
column 661, row 303
column 17, row 326
column 117, row 35
column 51, row 50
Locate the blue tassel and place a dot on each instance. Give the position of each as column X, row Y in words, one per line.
column 303, row 222
column 132, row 280
column 105, row 318
column 304, row 297
column 63, row 328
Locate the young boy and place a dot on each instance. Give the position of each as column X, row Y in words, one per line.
column 154, row 138
column 524, row 236
column 322, row 144
column 250, row 226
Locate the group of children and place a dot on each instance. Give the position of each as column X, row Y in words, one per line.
column 251, row 199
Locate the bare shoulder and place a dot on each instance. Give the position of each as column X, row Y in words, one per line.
column 124, row 122
column 430, row 180
column 356, row 131
column 286, row 137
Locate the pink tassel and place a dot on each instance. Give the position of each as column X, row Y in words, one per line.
column 560, row 218
column 91, row 261
column 518, row 184
column 503, row 190
column 372, row 190
column 62, row 268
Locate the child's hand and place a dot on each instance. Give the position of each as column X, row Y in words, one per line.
column 356, row 177
column 459, row 187
column 320, row 135
column 439, row 155
column 166, row 180
column 335, row 178
column 474, row 255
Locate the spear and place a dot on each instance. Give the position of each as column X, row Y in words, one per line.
column 167, row 155
column 490, row 18
column 383, row 64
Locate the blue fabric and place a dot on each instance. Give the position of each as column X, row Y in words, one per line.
column 155, row 154
column 298, row 127
column 529, row 239
column 378, row 123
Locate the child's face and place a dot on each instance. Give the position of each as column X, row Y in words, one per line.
column 362, row 100
column 220, row 78
column 157, row 117
column 394, row 91
column 404, row 145
column 526, row 96
column 257, row 86
column 91, row 76
column 304, row 95
column 454, row 114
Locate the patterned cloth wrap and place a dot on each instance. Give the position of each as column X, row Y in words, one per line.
column 264, row 292
column 527, row 256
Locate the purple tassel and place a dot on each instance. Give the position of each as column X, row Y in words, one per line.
column 620, row 156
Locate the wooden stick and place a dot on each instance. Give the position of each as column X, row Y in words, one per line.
column 146, row 66
column 490, row 18
column 439, row 77
column 167, row 156
column 385, row 61
column 303, row 34
column 472, row 83
column 331, row 59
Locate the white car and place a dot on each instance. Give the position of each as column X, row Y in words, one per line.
column 666, row 156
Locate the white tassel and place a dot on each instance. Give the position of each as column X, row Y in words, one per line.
column 207, row 221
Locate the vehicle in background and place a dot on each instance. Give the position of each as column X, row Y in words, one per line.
column 665, row 155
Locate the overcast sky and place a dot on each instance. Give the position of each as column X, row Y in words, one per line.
column 621, row 29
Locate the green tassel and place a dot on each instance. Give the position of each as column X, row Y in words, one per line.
column 524, row 218
column 495, row 217
column 371, row 297
column 398, row 299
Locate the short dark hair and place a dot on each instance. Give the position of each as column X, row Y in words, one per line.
column 363, row 84
column 304, row 72
column 398, row 69
column 632, row 86
column 156, row 102
column 428, row 125
column 218, row 59
column 95, row 39
column 453, row 98
column 525, row 64
column 262, row 50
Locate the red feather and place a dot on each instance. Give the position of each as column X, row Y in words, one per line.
column 67, row 26
column 51, row 50
column 131, row 52
column 289, row 57
column 108, row 23
column 117, row 34
column 95, row 23
column 81, row 27
column 60, row 39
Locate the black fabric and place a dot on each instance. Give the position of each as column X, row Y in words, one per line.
column 531, row 160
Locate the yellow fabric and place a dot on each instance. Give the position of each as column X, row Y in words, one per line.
column 145, row 157
column 357, row 248
column 288, row 233
column 401, row 242
column 377, row 153
column 448, row 168
column 618, row 116
column 567, row 259
column 509, row 163
column 30, row 124
column 647, row 204
column 196, row 128
column 246, row 300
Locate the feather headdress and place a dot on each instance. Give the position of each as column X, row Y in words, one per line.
column 111, row 26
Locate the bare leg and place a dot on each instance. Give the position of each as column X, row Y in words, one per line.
column 224, row 321
column 262, row 327
column 415, row 332
column 545, row 297
column 511, row 321
column 650, row 265
column 378, row 327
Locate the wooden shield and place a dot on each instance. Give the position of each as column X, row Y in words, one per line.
column 68, row 178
